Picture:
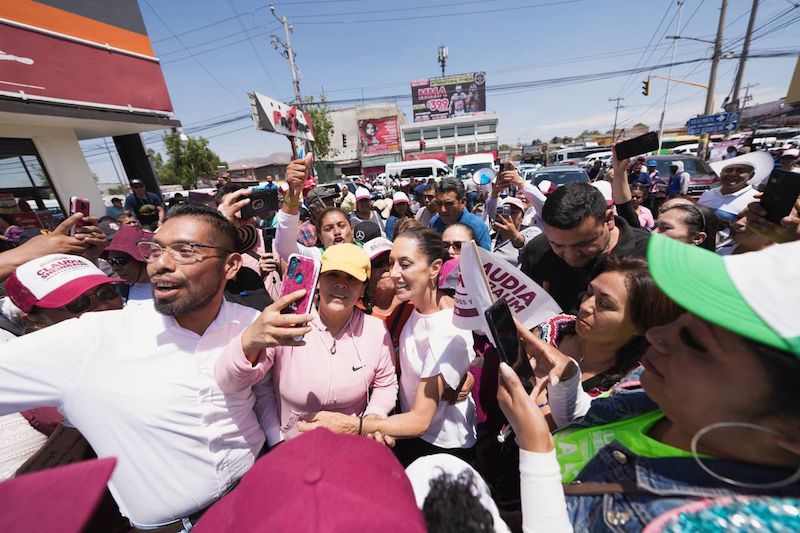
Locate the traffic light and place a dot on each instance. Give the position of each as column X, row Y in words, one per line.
column 421, row 145
column 646, row 87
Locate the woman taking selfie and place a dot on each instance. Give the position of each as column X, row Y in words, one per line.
column 345, row 364
column 716, row 416
column 433, row 355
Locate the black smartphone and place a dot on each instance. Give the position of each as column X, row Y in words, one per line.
column 269, row 235
column 637, row 146
column 780, row 194
column 262, row 201
column 509, row 348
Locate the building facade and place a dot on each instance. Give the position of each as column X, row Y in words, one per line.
column 73, row 71
column 453, row 136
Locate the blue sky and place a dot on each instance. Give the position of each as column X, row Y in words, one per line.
column 372, row 48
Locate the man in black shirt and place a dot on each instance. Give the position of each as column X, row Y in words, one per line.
column 579, row 230
column 148, row 207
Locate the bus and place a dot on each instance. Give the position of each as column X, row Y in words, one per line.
column 573, row 152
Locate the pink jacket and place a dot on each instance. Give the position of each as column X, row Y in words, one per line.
column 311, row 378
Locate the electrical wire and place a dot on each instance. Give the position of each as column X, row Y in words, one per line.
column 255, row 51
column 210, row 74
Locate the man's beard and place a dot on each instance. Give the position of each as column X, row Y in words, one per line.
column 199, row 295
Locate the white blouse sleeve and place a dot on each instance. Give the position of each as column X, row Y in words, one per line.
column 285, row 243
column 568, row 401
column 544, row 508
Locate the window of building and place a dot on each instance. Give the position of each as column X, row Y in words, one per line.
column 466, row 129
column 23, row 177
column 447, row 131
column 432, row 133
column 344, row 140
column 412, row 135
column 490, row 127
column 449, row 150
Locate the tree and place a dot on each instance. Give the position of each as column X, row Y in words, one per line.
column 504, row 147
column 155, row 160
column 186, row 163
column 323, row 127
column 117, row 189
column 588, row 133
column 536, row 142
column 640, row 125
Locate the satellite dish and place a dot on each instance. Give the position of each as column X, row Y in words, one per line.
column 484, row 176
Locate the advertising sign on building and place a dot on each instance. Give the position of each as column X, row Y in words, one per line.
column 378, row 136
column 452, row 96
column 80, row 52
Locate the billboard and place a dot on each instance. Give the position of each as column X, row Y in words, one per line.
column 80, row 52
column 452, row 96
column 378, row 136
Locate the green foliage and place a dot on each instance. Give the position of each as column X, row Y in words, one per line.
column 588, row 133
column 323, row 127
column 185, row 164
column 504, row 147
column 117, row 189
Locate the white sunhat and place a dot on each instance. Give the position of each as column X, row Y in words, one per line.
column 761, row 162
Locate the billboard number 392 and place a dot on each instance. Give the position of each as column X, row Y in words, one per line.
column 439, row 104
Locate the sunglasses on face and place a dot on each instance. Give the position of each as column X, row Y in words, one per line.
column 81, row 304
column 119, row 261
column 456, row 245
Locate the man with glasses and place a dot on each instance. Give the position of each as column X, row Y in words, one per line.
column 451, row 198
column 138, row 383
column 427, row 203
column 148, row 207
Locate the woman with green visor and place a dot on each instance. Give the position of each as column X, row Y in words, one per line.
column 717, row 414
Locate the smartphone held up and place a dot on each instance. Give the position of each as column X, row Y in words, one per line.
column 504, row 336
column 642, row 144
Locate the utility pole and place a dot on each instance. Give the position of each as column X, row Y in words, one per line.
column 288, row 51
column 702, row 147
column 616, row 112
column 743, row 58
column 669, row 75
column 747, row 96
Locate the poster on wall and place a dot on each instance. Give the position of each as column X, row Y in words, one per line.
column 378, row 136
column 451, row 96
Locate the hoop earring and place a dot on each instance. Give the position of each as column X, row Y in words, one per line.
column 696, row 456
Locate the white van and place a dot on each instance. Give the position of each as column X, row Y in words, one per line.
column 589, row 160
column 421, row 168
column 465, row 165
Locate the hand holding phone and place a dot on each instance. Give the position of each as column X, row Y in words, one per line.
column 637, row 146
column 780, row 194
column 79, row 205
column 301, row 273
column 262, row 202
column 504, row 336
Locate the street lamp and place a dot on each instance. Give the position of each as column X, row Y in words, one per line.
column 183, row 139
column 442, row 56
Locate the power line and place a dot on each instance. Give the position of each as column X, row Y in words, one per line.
column 210, row 74
column 250, row 41
column 449, row 15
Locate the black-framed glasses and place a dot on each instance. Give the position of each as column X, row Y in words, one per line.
column 105, row 293
column 455, row 244
column 182, row 252
column 122, row 260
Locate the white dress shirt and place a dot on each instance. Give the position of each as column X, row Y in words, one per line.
column 141, row 388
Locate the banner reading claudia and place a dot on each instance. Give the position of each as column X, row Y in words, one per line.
column 451, row 96
column 483, row 278
column 378, row 136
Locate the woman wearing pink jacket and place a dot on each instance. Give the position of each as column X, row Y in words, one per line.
column 345, row 365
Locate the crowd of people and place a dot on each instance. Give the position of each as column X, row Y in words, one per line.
column 666, row 388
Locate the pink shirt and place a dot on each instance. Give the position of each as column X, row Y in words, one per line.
column 645, row 217
column 310, row 378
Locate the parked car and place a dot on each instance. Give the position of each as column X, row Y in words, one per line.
column 559, row 176
column 701, row 176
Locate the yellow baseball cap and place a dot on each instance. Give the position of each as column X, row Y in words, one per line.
column 347, row 258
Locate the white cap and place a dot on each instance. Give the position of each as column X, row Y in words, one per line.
column 793, row 152
column 377, row 246
column 605, row 188
column 363, row 194
column 399, row 198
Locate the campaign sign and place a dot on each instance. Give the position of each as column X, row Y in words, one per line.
column 276, row 117
column 452, row 96
column 484, row 278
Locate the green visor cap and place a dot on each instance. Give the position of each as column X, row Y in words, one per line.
column 698, row 280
